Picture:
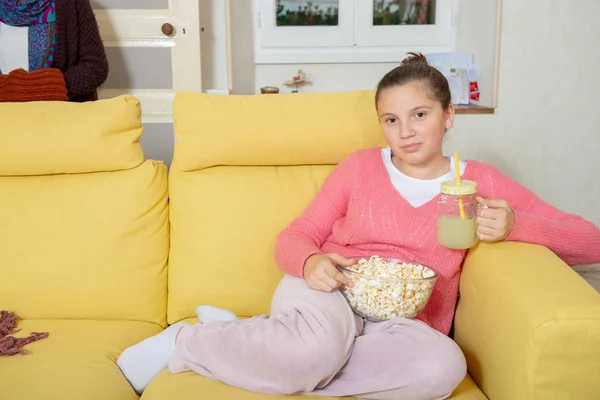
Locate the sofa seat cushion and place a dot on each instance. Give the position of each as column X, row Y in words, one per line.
column 191, row 386
column 75, row 362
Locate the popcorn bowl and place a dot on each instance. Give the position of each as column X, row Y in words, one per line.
column 387, row 288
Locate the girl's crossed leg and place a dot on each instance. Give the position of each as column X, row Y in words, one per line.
column 313, row 343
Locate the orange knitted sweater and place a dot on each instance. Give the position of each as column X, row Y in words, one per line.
column 43, row 85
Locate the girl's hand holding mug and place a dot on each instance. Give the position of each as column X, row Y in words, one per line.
column 495, row 220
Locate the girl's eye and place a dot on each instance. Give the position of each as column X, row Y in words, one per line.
column 420, row 115
column 391, row 120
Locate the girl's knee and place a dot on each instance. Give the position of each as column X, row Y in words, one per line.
column 438, row 372
column 449, row 368
column 313, row 362
column 327, row 355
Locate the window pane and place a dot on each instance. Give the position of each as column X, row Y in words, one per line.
column 307, row 13
column 403, row 12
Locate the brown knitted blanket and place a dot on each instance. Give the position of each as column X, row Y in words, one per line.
column 9, row 345
column 46, row 84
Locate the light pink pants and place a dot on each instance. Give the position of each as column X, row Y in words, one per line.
column 313, row 343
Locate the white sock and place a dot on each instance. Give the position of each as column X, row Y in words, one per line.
column 142, row 362
column 208, row 314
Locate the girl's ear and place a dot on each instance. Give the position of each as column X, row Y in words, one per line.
column 449, row 115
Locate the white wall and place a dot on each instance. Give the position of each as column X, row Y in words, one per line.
column 545, row 133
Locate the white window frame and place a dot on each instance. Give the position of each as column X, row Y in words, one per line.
column 355, row 40
column 369, row 35
column 272, row 36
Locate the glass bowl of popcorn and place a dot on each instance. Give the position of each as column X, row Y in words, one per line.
column 387, row 288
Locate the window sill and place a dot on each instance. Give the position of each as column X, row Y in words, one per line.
column 473, row 109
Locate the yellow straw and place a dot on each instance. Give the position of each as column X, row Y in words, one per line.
column 457, row 168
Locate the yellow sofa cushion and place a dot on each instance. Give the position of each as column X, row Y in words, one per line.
column 244, row 167
column 59, row 137
column 191, row 386
column 76, row 362
column 224, row 223
column 273, row 130
column 86, row 246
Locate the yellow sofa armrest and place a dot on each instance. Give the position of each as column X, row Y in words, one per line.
column 528, row 324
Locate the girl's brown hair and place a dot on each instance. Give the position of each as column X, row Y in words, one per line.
column 416, row 68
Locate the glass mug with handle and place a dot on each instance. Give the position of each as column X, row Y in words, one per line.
column 457, row 215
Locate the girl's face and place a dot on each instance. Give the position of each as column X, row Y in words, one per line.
column 413, row 124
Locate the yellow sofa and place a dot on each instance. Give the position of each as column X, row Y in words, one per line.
column 101, row 250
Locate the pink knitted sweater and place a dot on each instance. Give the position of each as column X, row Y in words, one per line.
column 358, row 212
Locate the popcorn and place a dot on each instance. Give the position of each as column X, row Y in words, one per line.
column 382, row 291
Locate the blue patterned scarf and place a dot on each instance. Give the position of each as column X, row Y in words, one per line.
column 40, row 17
